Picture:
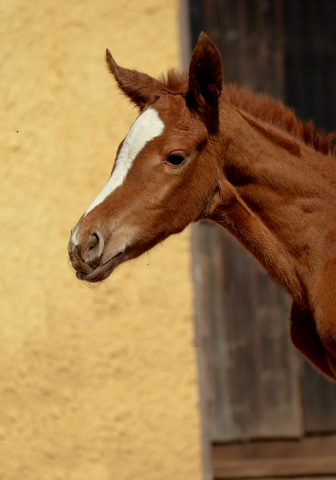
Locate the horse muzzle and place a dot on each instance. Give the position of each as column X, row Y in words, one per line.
column 86, row 250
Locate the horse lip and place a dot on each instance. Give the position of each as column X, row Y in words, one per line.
column 98, row 274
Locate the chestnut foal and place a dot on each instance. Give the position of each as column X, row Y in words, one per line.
column 202, row 150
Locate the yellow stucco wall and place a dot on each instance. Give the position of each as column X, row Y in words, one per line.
column 95, row 383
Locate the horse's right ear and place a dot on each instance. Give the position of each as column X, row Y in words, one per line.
column 205, row 82
column 139, row 87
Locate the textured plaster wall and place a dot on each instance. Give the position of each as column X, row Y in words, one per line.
column 95, row 383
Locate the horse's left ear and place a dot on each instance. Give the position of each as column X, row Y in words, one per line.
column 205, row 82
column 139, row 87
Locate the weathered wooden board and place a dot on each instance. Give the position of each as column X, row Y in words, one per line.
column 309, row 456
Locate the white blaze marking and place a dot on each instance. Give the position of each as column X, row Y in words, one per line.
column 74, row 238
column 146, row 127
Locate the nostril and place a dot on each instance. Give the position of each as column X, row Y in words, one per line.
column 95, row 241
column 95, row 247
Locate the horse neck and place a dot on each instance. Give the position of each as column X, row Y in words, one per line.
column 267, row 178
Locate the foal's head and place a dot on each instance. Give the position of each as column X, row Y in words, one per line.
column 162, row 178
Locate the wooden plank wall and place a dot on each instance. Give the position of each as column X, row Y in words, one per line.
column 255, row 386
column 250, row 37
column 253, row 368
column 260, row 42
column 310, row 87
column 310, row 60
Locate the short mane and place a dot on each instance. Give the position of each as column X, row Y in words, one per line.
column 263, row 107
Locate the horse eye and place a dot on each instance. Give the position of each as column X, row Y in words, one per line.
column 175, row 159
